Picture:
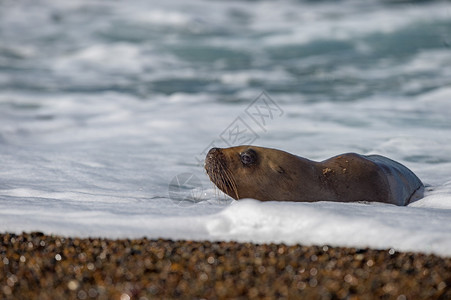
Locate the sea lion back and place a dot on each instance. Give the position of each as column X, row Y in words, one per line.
column 404, row 185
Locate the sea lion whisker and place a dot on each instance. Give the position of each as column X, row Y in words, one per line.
column 228, row 178
column 229, row 181
column 214, row 173
column 223, row 181
column 232, row 183
column 220, row 179
column 228, row 186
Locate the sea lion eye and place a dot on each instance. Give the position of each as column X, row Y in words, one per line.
column 248, row 157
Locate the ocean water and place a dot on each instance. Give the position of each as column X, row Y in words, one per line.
column 107, row 109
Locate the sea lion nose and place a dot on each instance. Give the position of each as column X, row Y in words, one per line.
column 212, row 157
column 213, row 151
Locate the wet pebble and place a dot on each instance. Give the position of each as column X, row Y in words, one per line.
column 36, row 266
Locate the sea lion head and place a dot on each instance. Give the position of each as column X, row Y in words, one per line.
column 251, row 172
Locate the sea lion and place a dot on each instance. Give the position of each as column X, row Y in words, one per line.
column 273, row 175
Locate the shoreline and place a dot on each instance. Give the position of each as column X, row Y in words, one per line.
column 34, row 265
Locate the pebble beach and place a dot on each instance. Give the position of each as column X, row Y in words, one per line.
column 38, row 266
column 108, row 109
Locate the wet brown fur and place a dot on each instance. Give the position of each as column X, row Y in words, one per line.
column 281, row 176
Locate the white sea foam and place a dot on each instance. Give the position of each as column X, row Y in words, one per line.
column 103, row 103
column 111, row 58
column 356, row 225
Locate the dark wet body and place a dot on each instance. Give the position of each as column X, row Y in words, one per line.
column 274, row 175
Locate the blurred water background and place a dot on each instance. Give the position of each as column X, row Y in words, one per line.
column 102, row 103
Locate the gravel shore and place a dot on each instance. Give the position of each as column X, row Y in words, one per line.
column 36, row 266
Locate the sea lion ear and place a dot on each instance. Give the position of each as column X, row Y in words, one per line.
column 276, row 167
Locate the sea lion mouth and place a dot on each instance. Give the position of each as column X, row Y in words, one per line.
column 219, row 173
